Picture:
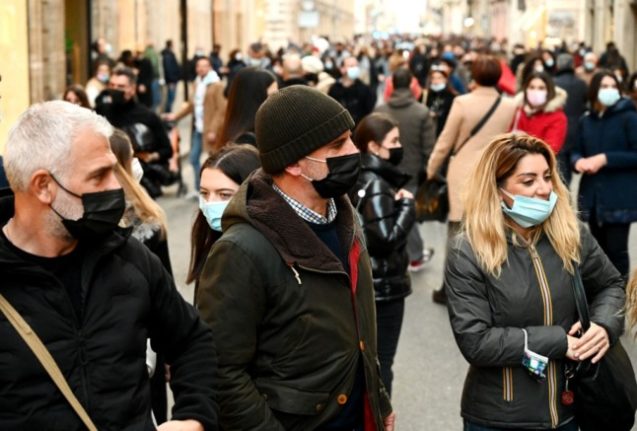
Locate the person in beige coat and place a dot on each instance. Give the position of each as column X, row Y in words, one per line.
column 467, row 111
column 214, row 111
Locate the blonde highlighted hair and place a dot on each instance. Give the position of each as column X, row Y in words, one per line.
column 484, row 222
column 631, row 301
column 143, row 205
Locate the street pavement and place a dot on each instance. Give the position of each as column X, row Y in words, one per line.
column 429, row 369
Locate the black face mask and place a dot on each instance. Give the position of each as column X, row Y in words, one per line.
column 342, row 175
column 395, row 155
column 102, row 213
column 117, row 97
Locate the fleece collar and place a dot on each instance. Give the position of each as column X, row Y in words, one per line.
column 257, row 204
column 553, row 105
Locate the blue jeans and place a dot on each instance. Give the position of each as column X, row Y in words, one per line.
column 155, row 90
column 469, row 426
column 171, row 89
column 195, row 156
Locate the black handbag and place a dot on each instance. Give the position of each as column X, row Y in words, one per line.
column 605, row 393
column 432, row 197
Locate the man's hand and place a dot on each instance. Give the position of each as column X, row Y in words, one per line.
column 169, row 116
column 189, row 425
column 147, row 157
column 390, row 422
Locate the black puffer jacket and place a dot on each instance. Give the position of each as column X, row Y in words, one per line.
column 128, row 297
column 534, row 293
column 386, row 223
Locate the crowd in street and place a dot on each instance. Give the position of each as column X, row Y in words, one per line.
column 319, row 159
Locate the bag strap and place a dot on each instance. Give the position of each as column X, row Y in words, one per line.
column 480, row 124
column 581, row 303
column 45, row 358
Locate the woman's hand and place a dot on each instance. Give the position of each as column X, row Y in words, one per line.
column 404, row 194
column 591, row 165
column 594, row 343
column 570, row 351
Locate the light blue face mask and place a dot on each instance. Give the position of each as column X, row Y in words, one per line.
column 213, row 211
column 528, row 212
column 438, row 87
column 608, row 96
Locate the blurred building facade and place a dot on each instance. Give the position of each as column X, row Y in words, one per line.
column 532, row 22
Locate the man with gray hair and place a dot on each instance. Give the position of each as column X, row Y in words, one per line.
column 89, row 291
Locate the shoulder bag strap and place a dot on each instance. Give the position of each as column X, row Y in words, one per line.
column 480, row 124
column 45, row 358
column 580, row 298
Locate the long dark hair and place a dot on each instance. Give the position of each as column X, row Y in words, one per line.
column 237, row 162
column 596, row 82
column 372, row 128
column 248, row 91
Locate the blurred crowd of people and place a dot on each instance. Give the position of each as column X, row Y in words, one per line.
column 306, row 229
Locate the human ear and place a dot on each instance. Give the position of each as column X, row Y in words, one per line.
column 40, row 186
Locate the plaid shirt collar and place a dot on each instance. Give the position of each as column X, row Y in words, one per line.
column 307, row 214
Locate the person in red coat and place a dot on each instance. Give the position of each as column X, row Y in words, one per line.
column 540, row 110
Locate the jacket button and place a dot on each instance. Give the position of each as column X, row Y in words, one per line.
column 361, row 344
column 265, row 396
column 320, row 407
column 341, row 399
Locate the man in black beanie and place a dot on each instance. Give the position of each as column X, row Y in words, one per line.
column 288, row 288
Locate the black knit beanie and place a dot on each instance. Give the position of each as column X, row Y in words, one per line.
column 294, row 122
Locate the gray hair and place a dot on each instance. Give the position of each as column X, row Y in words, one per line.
column 42, row 139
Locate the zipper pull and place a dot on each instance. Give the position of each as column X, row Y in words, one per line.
column 296, row 274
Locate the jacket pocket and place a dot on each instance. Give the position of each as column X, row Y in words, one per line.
column 293, row 401
column 507, row 384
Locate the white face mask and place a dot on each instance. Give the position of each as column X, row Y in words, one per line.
column 138, row 171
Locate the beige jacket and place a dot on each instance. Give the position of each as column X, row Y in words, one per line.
column 214, row 111
column 466, row 112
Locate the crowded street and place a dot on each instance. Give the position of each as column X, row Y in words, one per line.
column 318, row 215
column 429, row 369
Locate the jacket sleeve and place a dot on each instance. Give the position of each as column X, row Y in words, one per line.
column 386, row 222
column 627, row 158
column 231, row 298
column 427, row 136
column 177, row 330
column 446, row 140
column 481, row 343
column 556, row 131
column 604, row 286
column 162, row 143
column 578, row 149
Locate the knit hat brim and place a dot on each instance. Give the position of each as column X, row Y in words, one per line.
column 322, row 134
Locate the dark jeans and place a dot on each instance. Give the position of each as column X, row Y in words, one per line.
column 171, row 88
column 389, row 321
column 468, row 426
column 613, row 239
column 564, row 164
column 453, row 229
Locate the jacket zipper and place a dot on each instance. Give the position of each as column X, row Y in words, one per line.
column 507, row 384
column 548, row 321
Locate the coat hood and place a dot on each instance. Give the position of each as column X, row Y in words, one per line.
column 259, row 205
column 553, row 105
column 400, row 98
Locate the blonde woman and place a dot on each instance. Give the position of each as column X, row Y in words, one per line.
column 148, row 223
column 510, row 300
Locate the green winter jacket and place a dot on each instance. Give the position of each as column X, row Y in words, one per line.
column 281, row 307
